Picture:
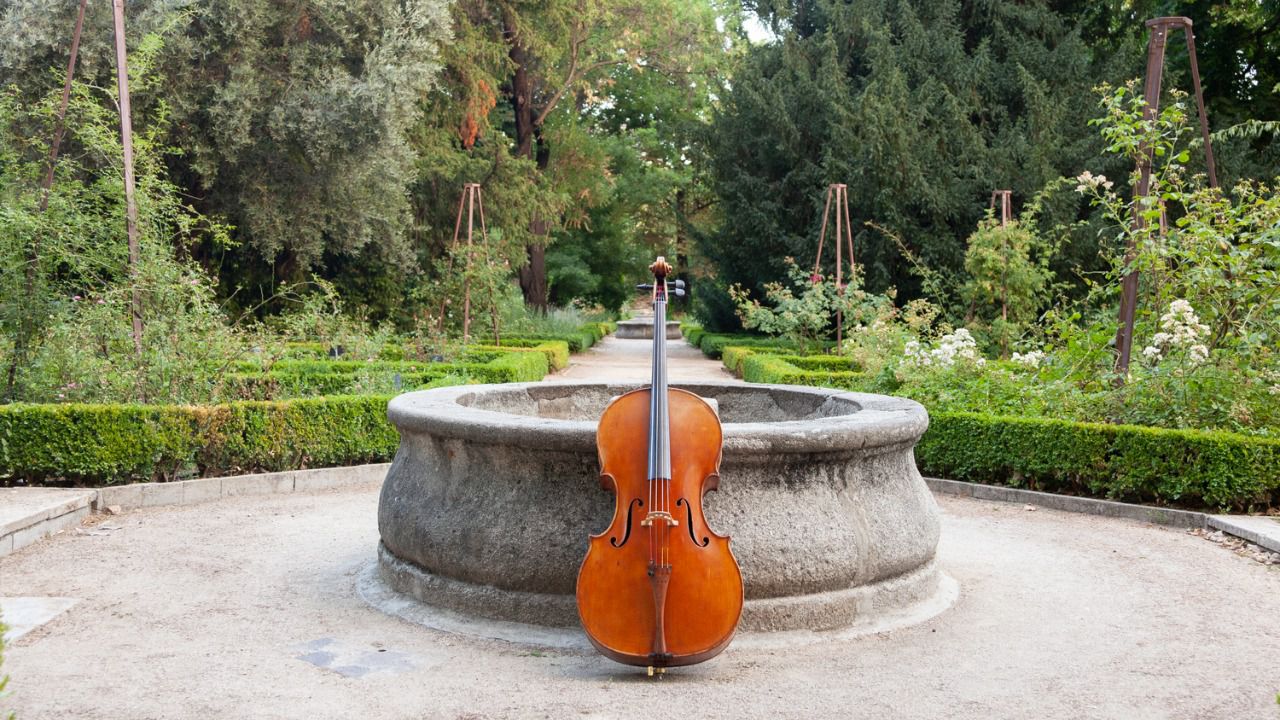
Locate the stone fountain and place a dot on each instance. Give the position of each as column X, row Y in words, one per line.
column 486, row 509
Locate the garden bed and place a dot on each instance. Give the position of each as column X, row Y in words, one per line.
column 1164, row 466
column 321, row 412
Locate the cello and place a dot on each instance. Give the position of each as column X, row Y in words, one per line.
column 659, row 588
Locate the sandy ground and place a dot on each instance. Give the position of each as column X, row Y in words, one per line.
column 225, row 610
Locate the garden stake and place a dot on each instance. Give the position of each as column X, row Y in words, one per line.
column 1160, row 29
column 1006, row 214
column 844, row 234
column 471, row 197
column 126, row 144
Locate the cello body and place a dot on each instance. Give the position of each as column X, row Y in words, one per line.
column 659, row 587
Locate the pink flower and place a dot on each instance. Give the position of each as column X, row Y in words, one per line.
column 76, row 298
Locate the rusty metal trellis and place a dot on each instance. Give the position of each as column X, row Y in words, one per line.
column 1160, row 29
column 843, row 239
column 126, row 143
column 1005, row 198
column 472, row 202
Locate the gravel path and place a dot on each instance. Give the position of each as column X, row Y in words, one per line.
column 613, row 359
column 245, row 608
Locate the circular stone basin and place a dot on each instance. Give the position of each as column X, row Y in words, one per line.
column 495, row 488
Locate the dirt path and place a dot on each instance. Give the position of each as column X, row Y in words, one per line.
column 246, row 608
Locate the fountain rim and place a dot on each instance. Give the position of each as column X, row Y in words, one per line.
column 879, row 422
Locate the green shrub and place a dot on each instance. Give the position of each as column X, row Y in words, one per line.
column 777, row 369
column 313, row 378
column 1197, row 468
column 1123, row 462
column 105, row 444
column 578, row 340
column 557, row 351
column 692, row 333
column 713, row 344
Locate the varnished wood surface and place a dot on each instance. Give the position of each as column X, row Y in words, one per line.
column 704, row 594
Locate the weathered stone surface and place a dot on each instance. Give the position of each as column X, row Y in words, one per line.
column 494, row 489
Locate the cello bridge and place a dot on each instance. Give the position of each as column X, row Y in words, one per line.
column 659, row 516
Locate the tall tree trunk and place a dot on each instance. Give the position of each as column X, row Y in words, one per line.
column 533, row 276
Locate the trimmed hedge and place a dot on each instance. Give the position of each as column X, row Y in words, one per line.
column 313, row 378
column 785, row 370
column 105, row 444
column 713, row 344
column 692, row 333
column 557, row 351
column 1124, row 462
column 585, row 336
column 109, row 443
column 1163, row 466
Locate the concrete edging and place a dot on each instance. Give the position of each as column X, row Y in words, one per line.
column 73, row 511
column 1261, row 531
column 45, row 521
column 1071, row 503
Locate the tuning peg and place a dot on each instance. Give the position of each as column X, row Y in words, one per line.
column 679, row 284
column 678, row 292
column 645, row 286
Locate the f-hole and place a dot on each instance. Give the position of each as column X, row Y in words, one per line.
column 688, row 510
column 626, row 535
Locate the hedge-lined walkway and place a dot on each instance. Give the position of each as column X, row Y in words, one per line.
column 614, row 359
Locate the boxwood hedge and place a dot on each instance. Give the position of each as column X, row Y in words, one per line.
column 1197, row 468
column 104, row 444
column 1124, row 462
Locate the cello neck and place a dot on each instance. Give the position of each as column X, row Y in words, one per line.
column 659, row 417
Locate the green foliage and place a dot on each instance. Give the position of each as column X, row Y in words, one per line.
column 921, row 107
column 1038, row 448
column 802, row 320
column 1124, row 462
column 68, row 314
column 1008, row 280
column 105, row 444
column 301, row 137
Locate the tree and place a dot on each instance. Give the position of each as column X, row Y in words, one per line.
column 921, row 107
column 291, row 114
column 559, row 55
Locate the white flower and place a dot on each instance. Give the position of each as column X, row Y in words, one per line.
column 1089, row 181
column 1032, row 358
column 1181, row 328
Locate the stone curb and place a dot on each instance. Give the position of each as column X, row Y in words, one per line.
column 190, row 492
column 1261, row 531
column 70, row 513
column 44, row 522
column 1070, row 503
